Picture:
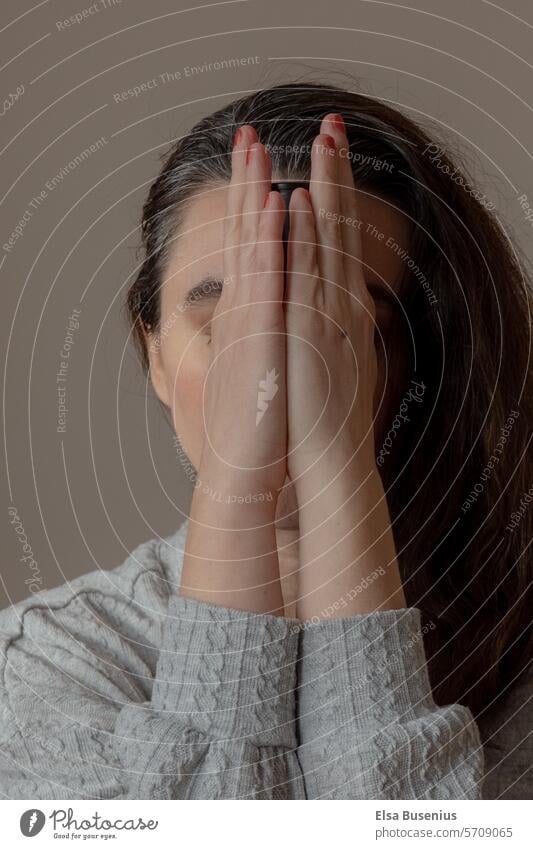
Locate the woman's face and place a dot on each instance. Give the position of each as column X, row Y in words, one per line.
column 180, row 355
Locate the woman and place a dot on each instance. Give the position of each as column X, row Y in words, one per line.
column 345, row 613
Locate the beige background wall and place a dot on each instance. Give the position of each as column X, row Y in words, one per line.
column 86, row 497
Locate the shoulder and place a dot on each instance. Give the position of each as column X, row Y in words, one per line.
column 70, row 659
column 155, row 561
column 101, row 607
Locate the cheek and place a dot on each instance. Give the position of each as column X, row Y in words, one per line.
column 187, row 407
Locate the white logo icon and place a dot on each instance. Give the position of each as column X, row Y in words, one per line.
column 32, row 822
column 267, row 390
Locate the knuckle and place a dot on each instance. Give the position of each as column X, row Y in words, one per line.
column 305, row 259
column 231, row 229
column 248, row 256
column 331, row 226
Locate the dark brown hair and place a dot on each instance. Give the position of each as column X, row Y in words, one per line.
column 458, row 472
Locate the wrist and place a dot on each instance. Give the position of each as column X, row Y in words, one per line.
column 337, row 475
column 223, row 491
column 230, row 555
column 348, row 556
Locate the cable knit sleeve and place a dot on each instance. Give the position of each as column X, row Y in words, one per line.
column 111, row 690
column 221, row 722
column 368, row 725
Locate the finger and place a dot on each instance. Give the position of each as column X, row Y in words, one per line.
column 257, row 180
column 351, row 223
column 244, row 137
column 303, row 278
column 271, row 246
column 325, row 200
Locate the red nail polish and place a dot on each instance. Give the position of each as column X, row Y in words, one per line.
column 329, row 141
column 249, row 155
column 238, row 137
column 338, row 120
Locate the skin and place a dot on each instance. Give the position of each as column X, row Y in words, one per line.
column 289, row 513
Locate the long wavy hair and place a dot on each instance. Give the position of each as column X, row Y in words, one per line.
column 458, row 473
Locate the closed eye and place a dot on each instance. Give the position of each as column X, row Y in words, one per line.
column 209, row 289
column 383, row 296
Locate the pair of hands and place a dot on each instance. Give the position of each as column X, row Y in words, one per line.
column 290, row 391
column 293, row 370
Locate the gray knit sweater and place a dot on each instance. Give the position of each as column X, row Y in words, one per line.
column 115, row 687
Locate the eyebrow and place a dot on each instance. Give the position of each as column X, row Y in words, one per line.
column 210, row 288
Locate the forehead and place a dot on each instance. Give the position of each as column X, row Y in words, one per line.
column 198, row 247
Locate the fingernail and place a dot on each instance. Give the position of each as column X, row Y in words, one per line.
column 238, row 137
column 338, row 120
column 267, row 200
column 249, row 155
column 329, row 141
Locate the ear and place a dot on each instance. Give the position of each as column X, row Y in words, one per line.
column 157, row 369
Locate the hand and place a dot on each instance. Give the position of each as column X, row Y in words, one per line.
column 231, row 555
column 346, row 540
column 331, row 358
column 245, row 391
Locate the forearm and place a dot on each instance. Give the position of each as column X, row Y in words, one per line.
column 348, row 556
column 231, row 556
